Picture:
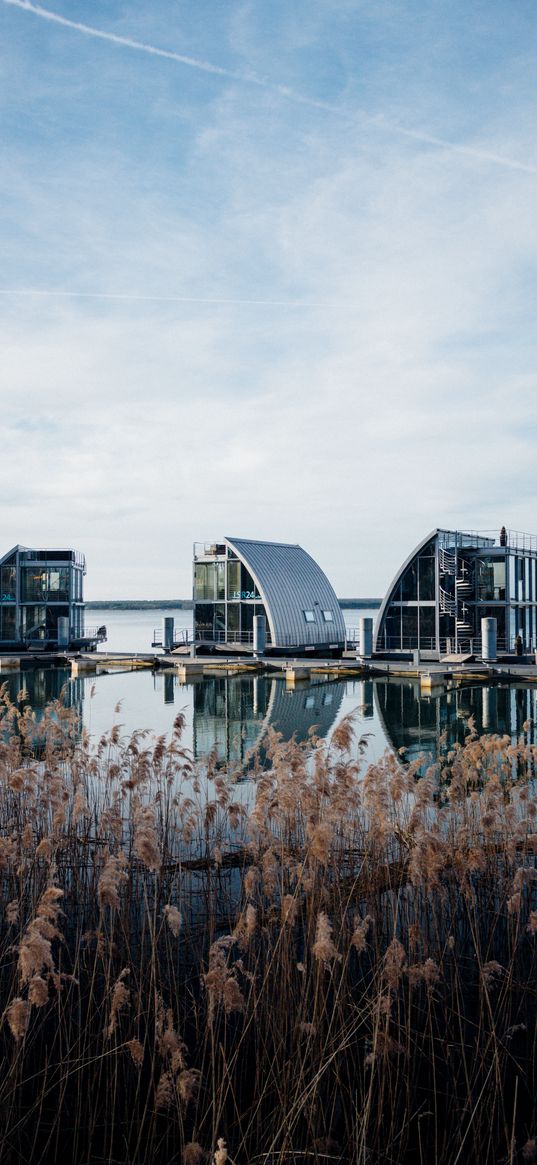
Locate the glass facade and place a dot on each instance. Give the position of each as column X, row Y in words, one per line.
column 452, row 582
column 226, row 598
column 37, row 589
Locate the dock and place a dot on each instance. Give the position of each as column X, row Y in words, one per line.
column 433, row 676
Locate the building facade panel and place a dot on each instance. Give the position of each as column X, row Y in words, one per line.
column 278, row 580
column 42, row 599
column 451, row 581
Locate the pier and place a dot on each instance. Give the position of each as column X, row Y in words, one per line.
column 433, row 676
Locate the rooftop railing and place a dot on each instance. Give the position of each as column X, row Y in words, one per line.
column 209, row 550
column 514, row 539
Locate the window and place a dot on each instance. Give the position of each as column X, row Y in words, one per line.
column 409, row 584
column 427, row 577
column 7, row 623
column 309, row 616
column 328, row 616
column 8, row 583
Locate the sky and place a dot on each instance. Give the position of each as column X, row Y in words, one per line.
column 268, row 270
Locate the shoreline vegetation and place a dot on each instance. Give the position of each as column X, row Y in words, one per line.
column 333, row 962
column 188, row 604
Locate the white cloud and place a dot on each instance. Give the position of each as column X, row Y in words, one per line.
column 133, row 427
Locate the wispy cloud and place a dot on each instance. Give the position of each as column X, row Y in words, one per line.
column 46, row 293
column 249, row 77
column 239, row 316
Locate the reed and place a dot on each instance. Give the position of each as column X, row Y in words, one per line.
column 332, row 962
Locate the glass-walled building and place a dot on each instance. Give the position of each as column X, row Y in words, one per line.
column 237, row 579
column 451, row 581
column 42, row 600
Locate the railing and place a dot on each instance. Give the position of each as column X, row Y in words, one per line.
column 447, row 561
column 97, row 633
column 448, row 605
column 465, row 645
column 41, row 634
column 184, row 637
column 515, row 539
column 209, row 550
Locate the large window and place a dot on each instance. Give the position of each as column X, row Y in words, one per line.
column 392, row 629
column 409, row 584
column 410, row 627
column 34, row 622
column 491, row 580
column 45, row 583
column 8, row 628
column 209, row 580
column 234, row 579
column 427, row 628
column 58, row 585
column 427, row 577
column 33, row 583
column 233, row 620
column 240, row 584
column 8, row 583
column 204, row 620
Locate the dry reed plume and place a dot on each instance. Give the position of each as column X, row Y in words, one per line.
column 333, row 963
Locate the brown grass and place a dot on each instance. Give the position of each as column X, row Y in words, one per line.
column 334, row 963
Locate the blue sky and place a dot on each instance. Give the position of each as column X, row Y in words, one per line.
column 267, row 270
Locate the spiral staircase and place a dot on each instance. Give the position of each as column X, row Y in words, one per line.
column 457, row 605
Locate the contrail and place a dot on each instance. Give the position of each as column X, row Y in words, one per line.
column 132, row 298
column 251, row 78
column 128, row 43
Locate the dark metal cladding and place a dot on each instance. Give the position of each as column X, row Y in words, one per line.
column 291, row 583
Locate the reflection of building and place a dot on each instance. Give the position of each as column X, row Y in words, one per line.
column 450, row 582
column 37, row 687
column 232, row 714
column 41, row 600
column 431, row 724
column 237, row 579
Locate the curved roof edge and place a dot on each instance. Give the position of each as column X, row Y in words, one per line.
column 291, row 582
column 389, row 593
column 234, row 543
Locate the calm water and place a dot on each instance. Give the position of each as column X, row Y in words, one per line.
column 232, row 714
column 133, row 630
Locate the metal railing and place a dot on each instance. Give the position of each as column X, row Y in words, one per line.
column 465, row 645
column 447, row 561
column 448, row 605
column 514, row 539
column 209, row 550
column 97, row 633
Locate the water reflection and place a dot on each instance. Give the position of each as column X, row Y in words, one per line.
column 233, row 714
column 230, row 715
column 420, row 723
column 39, row 686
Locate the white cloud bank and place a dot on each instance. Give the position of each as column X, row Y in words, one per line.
column 279, row 328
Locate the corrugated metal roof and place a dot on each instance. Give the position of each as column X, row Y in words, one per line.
column 290, row 582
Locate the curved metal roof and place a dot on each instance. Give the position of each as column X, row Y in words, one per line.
column 290, row 582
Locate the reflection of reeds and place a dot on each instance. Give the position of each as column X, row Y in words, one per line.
column 343, row 970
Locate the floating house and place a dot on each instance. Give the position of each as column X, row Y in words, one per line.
column 237, row 579
column 450, row 582
column 41, row 601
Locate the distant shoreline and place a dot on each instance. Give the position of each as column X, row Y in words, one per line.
column 187, row 604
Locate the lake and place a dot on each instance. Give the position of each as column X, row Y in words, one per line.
column 231, row 715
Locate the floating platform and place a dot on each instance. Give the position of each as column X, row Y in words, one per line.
column 434, row 676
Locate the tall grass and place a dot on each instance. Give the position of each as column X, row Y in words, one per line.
column 336, row 963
